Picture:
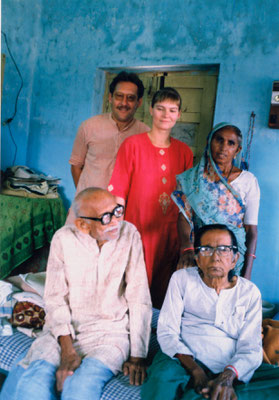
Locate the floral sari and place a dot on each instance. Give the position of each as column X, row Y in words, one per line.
column 205, row 197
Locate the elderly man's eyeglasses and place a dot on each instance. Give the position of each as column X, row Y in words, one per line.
column 222, row 250
column 105, row 219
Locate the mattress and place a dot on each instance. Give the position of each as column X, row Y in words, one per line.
column 117, row 388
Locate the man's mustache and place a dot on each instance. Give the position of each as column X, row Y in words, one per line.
column 113, row 228
column 123, row 108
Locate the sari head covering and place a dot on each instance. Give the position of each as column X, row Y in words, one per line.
column 205, row 197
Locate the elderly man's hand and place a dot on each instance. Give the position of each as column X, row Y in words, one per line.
column 186, row 260
column 200, row 379
column 69, row 363
column 136, row 368
column 221, row 388
column 195, row 370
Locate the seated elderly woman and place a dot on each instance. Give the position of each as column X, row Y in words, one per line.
column 217, row 191
column 209, row 328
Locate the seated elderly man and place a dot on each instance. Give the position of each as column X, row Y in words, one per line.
column 209, row 328
column 98, row 308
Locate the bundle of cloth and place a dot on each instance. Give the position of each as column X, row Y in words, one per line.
column 21, row 304
column 25, row 182
column 270, row 336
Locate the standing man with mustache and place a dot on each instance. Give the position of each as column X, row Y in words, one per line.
column 99, row 138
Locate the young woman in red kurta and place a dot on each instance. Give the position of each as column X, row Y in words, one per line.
column 143, row 179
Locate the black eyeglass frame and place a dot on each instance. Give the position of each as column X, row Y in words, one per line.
column 111, row 214
column 231, row 247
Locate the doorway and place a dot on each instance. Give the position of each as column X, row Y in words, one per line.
column 197, row 88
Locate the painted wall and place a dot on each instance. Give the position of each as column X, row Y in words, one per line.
column 23, row 32
column 60, row 47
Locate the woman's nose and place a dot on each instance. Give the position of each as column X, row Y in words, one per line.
column 224, row 145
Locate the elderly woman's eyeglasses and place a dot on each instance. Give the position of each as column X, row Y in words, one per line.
column 222, row 250
column 105, row 219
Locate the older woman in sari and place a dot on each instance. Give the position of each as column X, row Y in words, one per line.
column 216, row 191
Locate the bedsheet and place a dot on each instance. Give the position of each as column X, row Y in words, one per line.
column 117, row 388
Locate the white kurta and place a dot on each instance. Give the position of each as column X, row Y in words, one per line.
column 218, row 330
column 100, row 297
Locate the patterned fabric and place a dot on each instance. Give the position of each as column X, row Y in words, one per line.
column 117, row 388
column 205, row 197
column 12, row 347
column 164, row 200
column 25, row 225
column 28, row 315
column 144, row 176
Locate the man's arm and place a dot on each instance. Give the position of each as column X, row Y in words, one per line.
column 79, row 152
column 169, row 331
column 58, row 314
column 247, row 357
column 169, row 323
column 69, row 362
column 248, row 354
column 56, row 295
column 76, row 171
column 140, row 312
column 198, row 374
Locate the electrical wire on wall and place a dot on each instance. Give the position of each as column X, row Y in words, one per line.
column 10, row 119
column 245, row 162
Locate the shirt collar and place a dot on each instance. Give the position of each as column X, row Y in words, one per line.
column 126, row 127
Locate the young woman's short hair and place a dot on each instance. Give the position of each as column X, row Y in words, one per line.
column 167, row 93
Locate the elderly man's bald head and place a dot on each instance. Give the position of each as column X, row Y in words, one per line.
column 89, row 198
column 90, row 206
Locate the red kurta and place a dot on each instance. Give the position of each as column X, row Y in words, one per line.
column 145, row 176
